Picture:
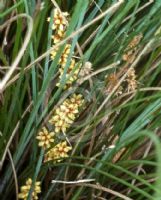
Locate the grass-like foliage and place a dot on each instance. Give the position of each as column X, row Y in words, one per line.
column 80, row 99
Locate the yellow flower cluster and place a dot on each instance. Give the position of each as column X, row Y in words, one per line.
column 64, row 55
column 62, row 119
column 45, row 138
column 71, row 75
column 26, row 188
column 58, row 152
column 66, row 113
column 59, row 26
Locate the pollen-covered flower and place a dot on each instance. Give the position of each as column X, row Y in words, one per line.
column 45, row 138
column 130, row 51
column 57, row 38
column 59, row 21
column 26, row 188
column 71, row 74
column 135, row 41
column 64, row 56
column 77, row 100
column 59, row 25
column 111, row 82
column 129, row 56
column 131, row 80
column 66, row 113
column 58, row 152
column 60, row 121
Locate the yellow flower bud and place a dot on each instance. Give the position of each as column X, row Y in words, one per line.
column 26, row 188
column 45, row 138
column 58, row 152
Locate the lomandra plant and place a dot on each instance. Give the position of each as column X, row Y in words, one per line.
column 80, row 99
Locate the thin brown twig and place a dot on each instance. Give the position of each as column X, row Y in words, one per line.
column 100, row 187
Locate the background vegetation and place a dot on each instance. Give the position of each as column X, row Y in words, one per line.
column 116, row 139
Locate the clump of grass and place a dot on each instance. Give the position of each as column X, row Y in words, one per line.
column 80, row 100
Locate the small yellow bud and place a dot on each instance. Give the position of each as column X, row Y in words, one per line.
column 45, row 138
column 58, row 152
column 26, row 188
